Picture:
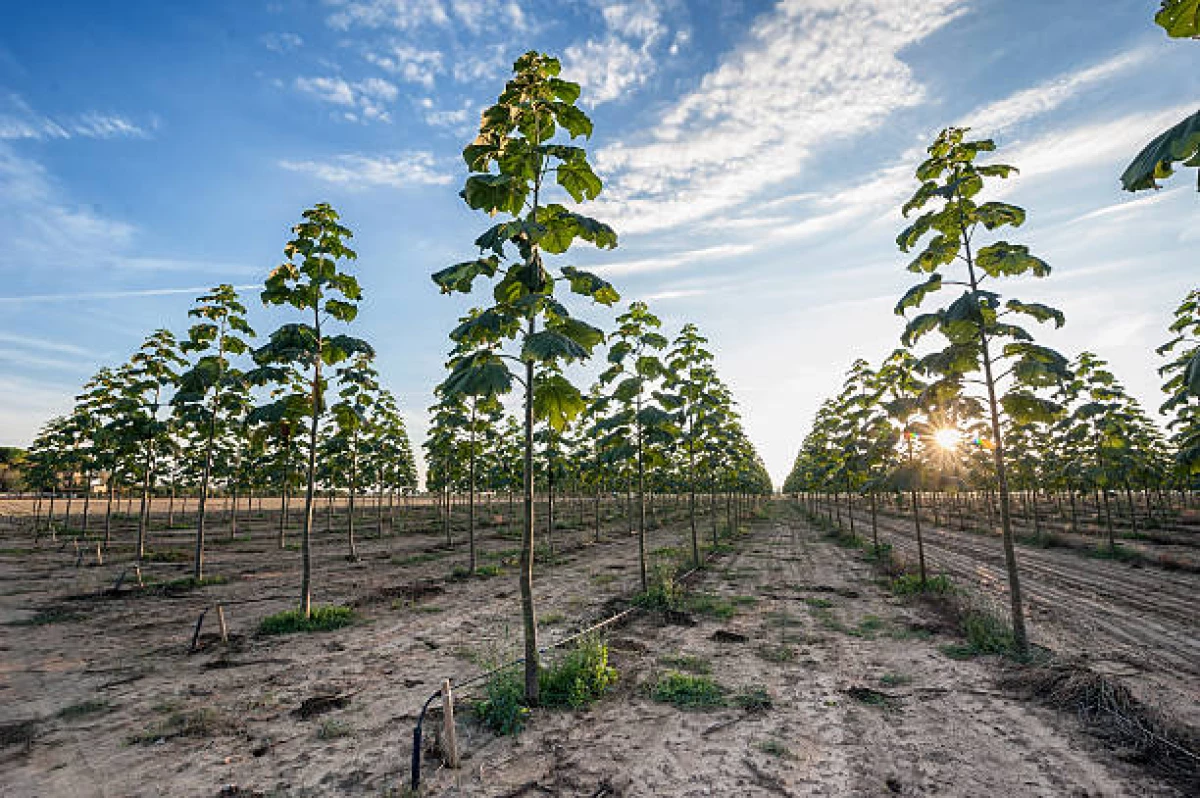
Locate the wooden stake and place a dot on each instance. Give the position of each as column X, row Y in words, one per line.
column 99, row 556
column 449, row 737
column 221, row 621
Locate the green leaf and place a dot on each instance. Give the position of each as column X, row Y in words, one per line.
column 1042, row 313
column 1179, row 144
column 495, row 193
column 1179, row 18
column 1025, row 408
column 556, row 401
column 919, row 326
column 460, row 276
column 940, row 251
column 1191, row 375
column 998, row 214
column 564, row 90
column 547, row 346
column 916, row 295
column 574, row 120
column 590, row 285
column 582, row 333
column 478, row 374
column 1009, row 259
column 578, row 179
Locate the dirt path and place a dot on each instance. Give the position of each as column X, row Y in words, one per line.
column 818, row 629
column 1140, row 624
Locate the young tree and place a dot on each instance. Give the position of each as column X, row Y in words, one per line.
column 634, row 361
column 975, row 324
column 208, row 393
column 1182, row 383
column 357, row 395
column 311, row 281
column 511, row 161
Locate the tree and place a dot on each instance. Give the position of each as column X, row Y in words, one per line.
column 1182, row 383
column 634, row 361
column 357, row 395
column 210, row 387
column 310, row 281
column 510, row 162
column 974, row 323
column 1180, row 144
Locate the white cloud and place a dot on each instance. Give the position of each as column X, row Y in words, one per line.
column 810, row 72
column 365, row 99
column 89, row 296
column 18, row 120
column 1024, row 105
column 673, row 260
column 408, row 63
column 281, row 42
column 409, row 15
column 609, row 67
column 363, row 171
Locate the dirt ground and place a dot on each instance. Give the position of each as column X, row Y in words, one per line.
column 100, row 697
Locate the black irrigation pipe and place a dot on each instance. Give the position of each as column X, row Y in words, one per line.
column 612, row 620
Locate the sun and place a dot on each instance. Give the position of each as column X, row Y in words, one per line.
column 948, row 438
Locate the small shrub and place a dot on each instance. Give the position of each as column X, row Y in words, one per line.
column 333, row 728
column 193, row 723
column 781, row 653
column 687, row 691
column 83, row 708
column 502, row 708
column 818, row 603
column 910, row 585
column 894, row 679
column 663, row 593
column 687, row 662
column 753, row 699
column 322, row 619
column 776, row 749
column 580, row 677
column 987, row 633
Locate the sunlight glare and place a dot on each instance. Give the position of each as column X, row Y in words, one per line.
column 948, row 438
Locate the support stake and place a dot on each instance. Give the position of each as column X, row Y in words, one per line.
column 221, row 621
column 449, row 737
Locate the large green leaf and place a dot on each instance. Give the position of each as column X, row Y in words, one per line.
column 557, row 401
column 548, row 346
column 1003, row 258
column 478, row 374
column 578, row 179
column 1042, row 313
column 916, row 295
column 460, row 276
column 1025, row 408
column 590, row 285
column 1180, row 144
column 1180, row 18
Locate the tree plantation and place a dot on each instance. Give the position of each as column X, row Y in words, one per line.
column 249, row 560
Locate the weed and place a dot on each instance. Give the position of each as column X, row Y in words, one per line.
column 189, row 583
column 687, row 691
column 872, row 698
column 1118, row 553
column 894, row 679
column 552, row 618
column 603, row 579
column 910, row 584
column 818, row 603
column 503, row 707
column 776, row 749
column 333, row 728
column 687, row 662
column 867, row 627
column 83, row 708
column 781, row 653
column 580, row 677
column 322, row 619
column 753, row 699
column 195, row 723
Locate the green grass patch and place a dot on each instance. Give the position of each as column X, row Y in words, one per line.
column 333, row 729
column 167, row 555
column 417, row 559
column 688, row 691
column 775, row 748
column 193, row 723
column 986, row 633
column 322, row 619
column 687, row 662
column 83, row 709
column 552, row 619
column 778, row 654
column 1118, row 553
column 894, row 680
column 579, row 677
column 602, row 579
column 189, row 583
column 910, row 585
column 818, row 603
column 753, row 699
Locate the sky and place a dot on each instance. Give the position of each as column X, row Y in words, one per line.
column 755, row 156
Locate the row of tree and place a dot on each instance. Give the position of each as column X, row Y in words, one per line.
column 303, row 411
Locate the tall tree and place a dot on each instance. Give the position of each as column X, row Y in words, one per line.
column 511, row 162
column 312, row 281
column 976, row 324
column 210, row 388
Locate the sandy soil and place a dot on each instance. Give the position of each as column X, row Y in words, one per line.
column 940, row 728
column 1139, row 623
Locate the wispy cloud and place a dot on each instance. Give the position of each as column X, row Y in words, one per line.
column 31, row 342
column 18, row 120
column 408, row 15
column 84, row 296
column 281, row 42
column 608, row 67
column 809, row 73
column 1024, row 105
column 365, row 171
column 364, row 100
column 673, row 260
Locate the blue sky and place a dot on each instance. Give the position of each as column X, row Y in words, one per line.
column 755, row 156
